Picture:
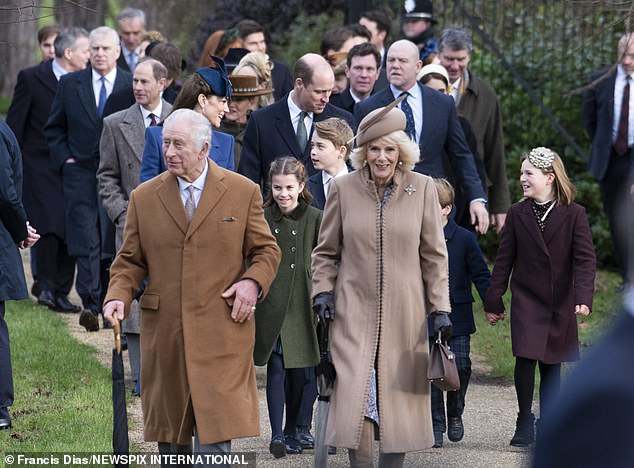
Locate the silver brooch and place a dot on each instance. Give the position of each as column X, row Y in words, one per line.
column 409, row 190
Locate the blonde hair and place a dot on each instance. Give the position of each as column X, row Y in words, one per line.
column 258, row 62
column 446, row 193
column 408, row 151
column 337, row 131
column 288, row 165
column 564, row 190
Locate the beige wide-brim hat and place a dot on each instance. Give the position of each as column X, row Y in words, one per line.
column 380, row 122
column 433, row 68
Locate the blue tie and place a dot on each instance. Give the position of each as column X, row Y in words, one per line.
column 410, row 126
column 102, row 96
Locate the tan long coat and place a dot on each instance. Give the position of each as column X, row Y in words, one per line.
column 197, row 363
column 392, row 273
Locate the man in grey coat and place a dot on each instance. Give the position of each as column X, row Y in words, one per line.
column 15, row 232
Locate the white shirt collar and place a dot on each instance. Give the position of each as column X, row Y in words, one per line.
column 620, row 74
column 58, row 70
column 325, row 177
column 355, row 98
column 414, row 91
column 110, row 76
column 199, row 183
column 294, row 109
column 156, row 111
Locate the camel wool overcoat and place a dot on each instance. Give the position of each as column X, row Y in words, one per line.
column 197, row 362
column 388, row 269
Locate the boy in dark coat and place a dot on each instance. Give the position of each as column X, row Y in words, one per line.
column 466, row 266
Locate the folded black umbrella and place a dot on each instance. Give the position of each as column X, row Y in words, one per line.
column 120, row 441
column 326, row 376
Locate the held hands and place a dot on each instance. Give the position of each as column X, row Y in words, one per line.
column 31, row 238
column 582, row 309
column 493, row 318
column 442, row 324
column 245, row 296
column 479, row 216
column 324, row 306
column 113, row 310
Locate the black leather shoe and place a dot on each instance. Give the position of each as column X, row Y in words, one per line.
column 524, row 431
column 46, row 298
column 332, row 450
column 277, row 447
column 293, row 447
column 455, row 429
column 437, row 440
column 35, row 289
column 5, row 423
column 306, row 440
column 62, row 304
column 89, row 320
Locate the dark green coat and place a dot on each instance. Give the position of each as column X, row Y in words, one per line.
column 286, row 312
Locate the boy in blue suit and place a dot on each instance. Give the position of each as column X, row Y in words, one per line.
column 466, row 266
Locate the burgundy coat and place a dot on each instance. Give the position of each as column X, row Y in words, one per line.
column 551, row 273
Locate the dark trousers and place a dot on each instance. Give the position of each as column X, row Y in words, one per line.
column 615, row 193
column 55, row 267
column 461, row 347
column 88, row 282
column 6, row 374
column 309, row 395
column 283, row 386
column 524, row 376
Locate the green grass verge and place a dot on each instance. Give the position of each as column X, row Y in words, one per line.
column 494, row 343
column 62, row 394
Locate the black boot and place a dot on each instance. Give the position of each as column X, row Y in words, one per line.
column 524, row 431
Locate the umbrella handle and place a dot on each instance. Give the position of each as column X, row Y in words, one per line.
column 116, row 328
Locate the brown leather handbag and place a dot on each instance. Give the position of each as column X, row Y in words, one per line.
column 442, row 370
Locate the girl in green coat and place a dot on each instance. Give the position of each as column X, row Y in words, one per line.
column 285, row 336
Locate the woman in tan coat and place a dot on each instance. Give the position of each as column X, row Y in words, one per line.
column 382, row 259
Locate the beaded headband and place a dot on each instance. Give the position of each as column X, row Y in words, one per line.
column 541, row 158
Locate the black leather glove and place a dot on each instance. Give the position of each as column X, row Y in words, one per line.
column 324, row 306
column 442, row 324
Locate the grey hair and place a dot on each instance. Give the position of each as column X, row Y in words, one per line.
column 455, row 38
column 66, row 39
column 198, row 127
column 128, row 13
column 102, row 31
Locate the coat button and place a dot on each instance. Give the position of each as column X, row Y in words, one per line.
column 292, row 266
column 294, row 232
column 277, row 230
column 293, row 249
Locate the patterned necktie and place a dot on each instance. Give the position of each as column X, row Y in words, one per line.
column 132, row 62
column 302, row 135
column 410, row 126
column 621, row 145
column 190, row 203
column 102, row 96
column 152, row 118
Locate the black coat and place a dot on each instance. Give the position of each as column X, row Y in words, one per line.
column 343, row 100
column 590, row 424
column 270, row 135
column 43, row 196
column 441, row 133
column 282, row 80
column 73, row 130
column 316, row 189
column 12, row 217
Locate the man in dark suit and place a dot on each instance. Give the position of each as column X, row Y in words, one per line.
column 15, row 232
column 43, row 192
column 609, row 123
column 363, row 65
column 378, row 23
column 433, row 123
column 131, row 26
column 73, row 131
column 254, row 37
column 285, row 128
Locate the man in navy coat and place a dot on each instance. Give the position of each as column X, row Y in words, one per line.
column 14, row 232
column 277, row 130
column 73, row 130
column 608, row 117
column 43, row 192
column 433, row 123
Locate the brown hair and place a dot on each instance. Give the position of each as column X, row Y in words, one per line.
column 47, row 31
column 193, row 86
column 564, row 190
column 288, row 165
column 337, row 131
column 446, row 193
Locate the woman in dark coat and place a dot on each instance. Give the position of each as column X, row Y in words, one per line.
column 547, row 245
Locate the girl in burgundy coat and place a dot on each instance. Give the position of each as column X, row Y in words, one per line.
column 547, row 245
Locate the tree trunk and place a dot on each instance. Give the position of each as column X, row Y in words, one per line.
column 87, row 14
column 18, row 39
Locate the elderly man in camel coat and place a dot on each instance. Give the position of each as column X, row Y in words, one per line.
column 198, row 232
